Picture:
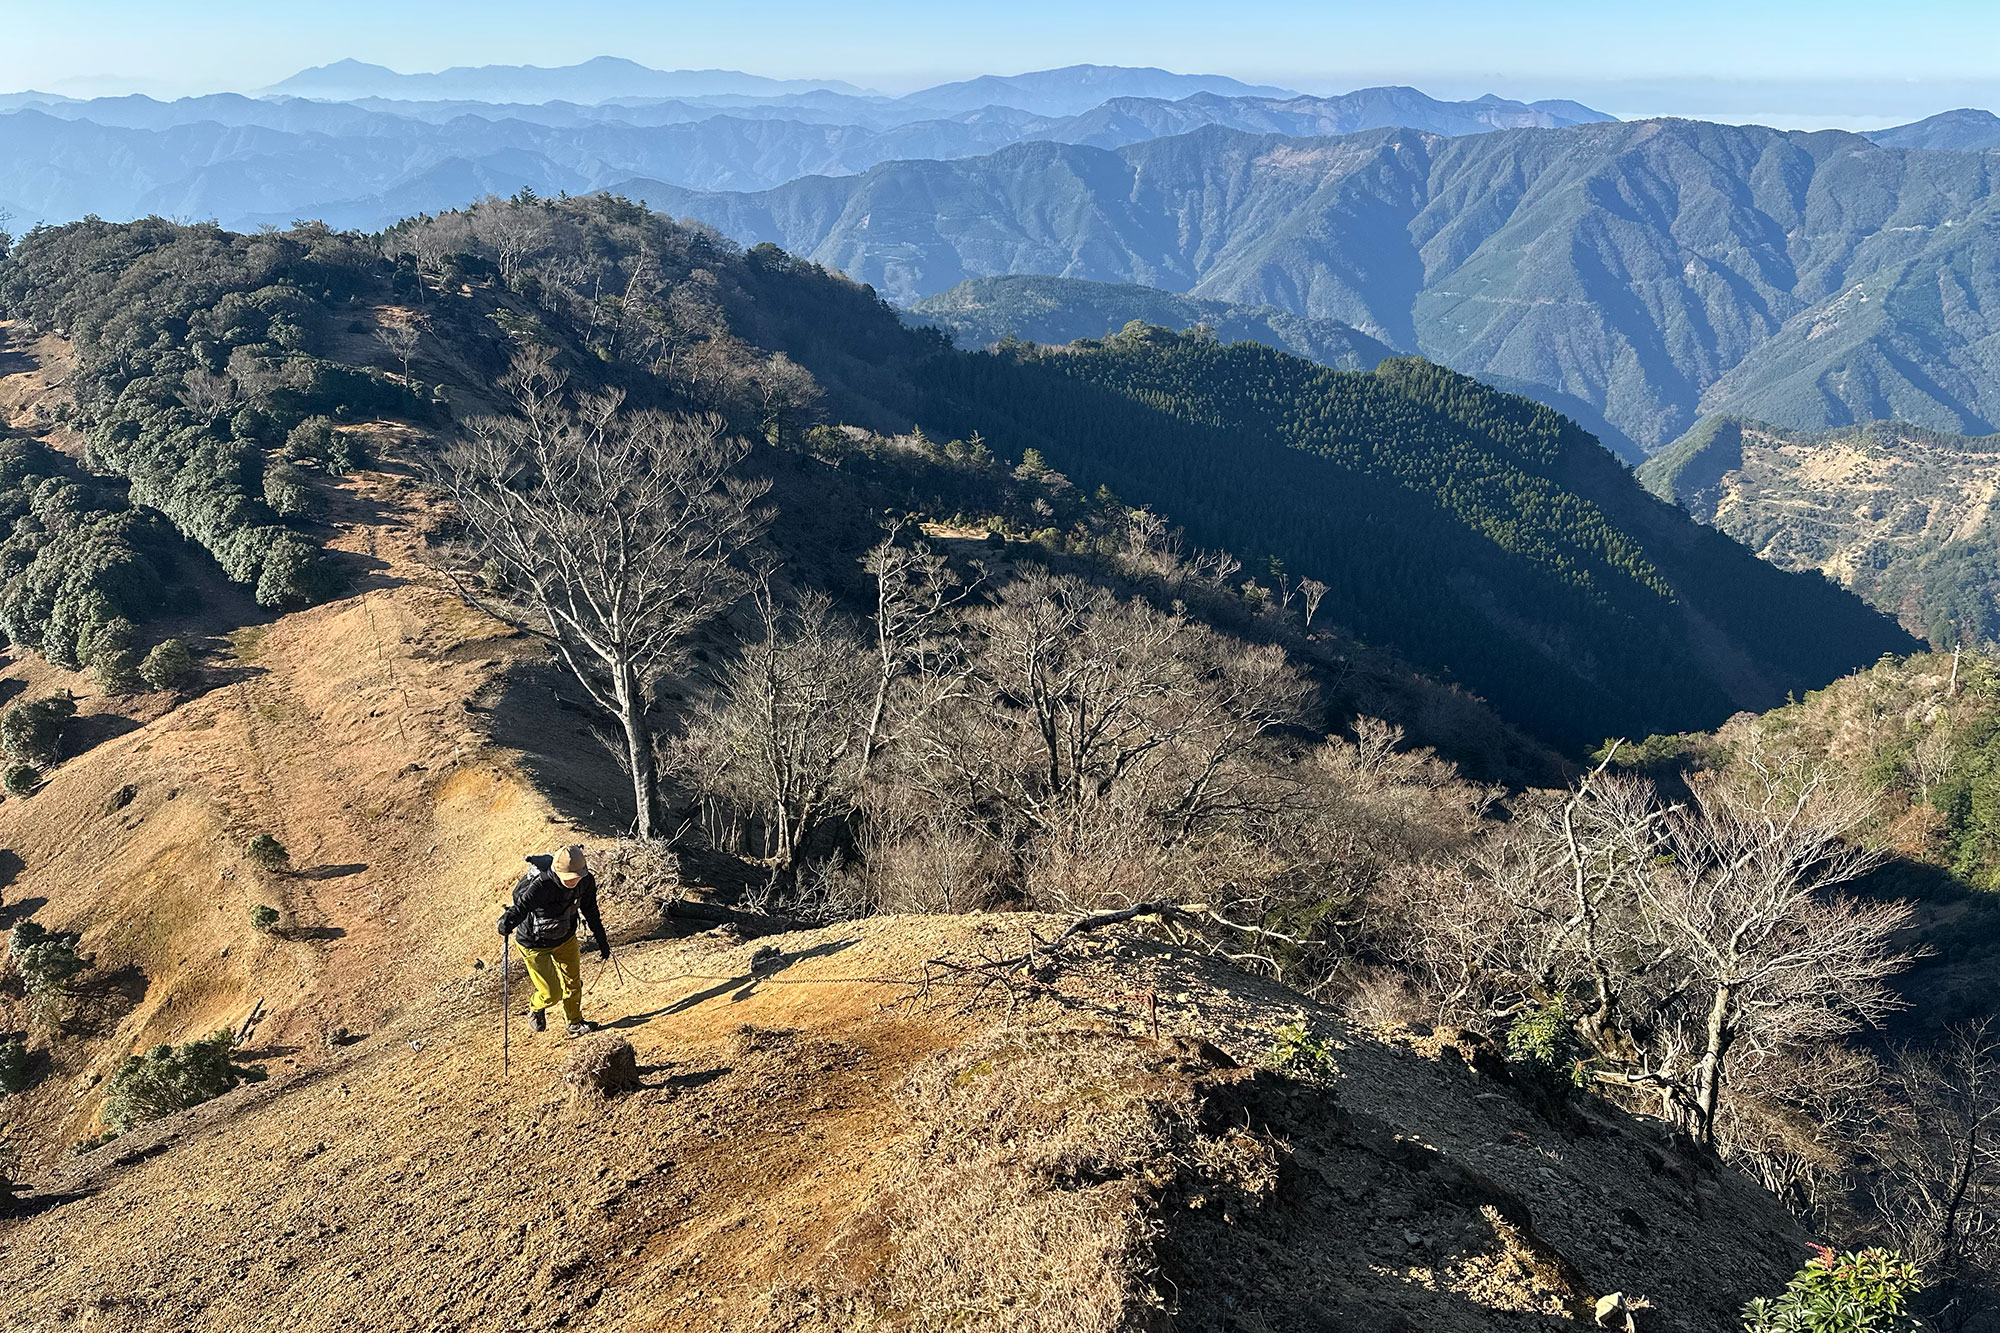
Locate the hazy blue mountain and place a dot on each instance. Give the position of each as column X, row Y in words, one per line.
column 1075, row 88
column 1964, row 130
column 592, row 81
column 1125, row 120
column 247, row 161
column 1061, row 310
column 1650, row 271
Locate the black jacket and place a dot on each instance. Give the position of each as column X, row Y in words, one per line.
column 545, row 909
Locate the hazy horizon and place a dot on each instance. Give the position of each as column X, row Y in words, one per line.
column 1833, row 65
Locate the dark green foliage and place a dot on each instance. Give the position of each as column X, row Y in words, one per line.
column 169, row 666
column 1480, row 534
column 13, row 1064
column 1865, row 1292
column 269, row 853
column 46, row 960
column 982, row 311
column 32, row 729
column 199, row 353
column 287, row 491
column 263, row 919
column 1296, row 1051
column 168, row 1078
column 20, row 779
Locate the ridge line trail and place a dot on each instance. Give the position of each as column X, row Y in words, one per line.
column 342, row 731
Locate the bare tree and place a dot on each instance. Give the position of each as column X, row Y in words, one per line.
column 917, row 598
column 1940, row 1191
column 402, row 339
column 1311, row 593
column 615, row 532
column 789, row 719
column 1743, row 898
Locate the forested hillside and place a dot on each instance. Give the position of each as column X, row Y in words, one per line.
column 1902, row 515
column 983, row 311
column 1653, row 270
column 1482, row 534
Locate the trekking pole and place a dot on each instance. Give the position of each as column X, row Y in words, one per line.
column 506, row 1015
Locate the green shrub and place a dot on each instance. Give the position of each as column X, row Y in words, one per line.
column 47, row 960
column 20, row 779
column 1865, row 1292
column 269, row 853
column 168, row 667
column 1542, row 1043
column 295, row 574
column 311, row 440
column 117, row 672
column 171, row 1078
column 13, row 1065
column 31, row 730
column 263, row 919
column 1297, row 1052
column 286, row 491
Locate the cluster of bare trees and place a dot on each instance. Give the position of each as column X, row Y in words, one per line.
column 1042, row 740
column 1697, row 943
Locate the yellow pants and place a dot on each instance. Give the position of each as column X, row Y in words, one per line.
column 558, row 975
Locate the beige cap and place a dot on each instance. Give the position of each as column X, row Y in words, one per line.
column 569, row 863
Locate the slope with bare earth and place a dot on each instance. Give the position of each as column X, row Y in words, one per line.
column 1901, row 514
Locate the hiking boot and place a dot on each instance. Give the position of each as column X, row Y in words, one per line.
column 583, row 1028
column 538, row 1020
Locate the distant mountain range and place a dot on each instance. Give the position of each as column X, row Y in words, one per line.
column 246, row 161
column 984, row 311
column 1901, row 515
column 1650, row 272
column 598, row 80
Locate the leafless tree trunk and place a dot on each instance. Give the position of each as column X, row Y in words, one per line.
column 615, row 534
column 1311, row 593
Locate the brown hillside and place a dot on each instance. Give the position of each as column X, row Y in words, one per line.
column 819, row 1143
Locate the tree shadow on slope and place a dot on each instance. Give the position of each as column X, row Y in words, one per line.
column 542, row 714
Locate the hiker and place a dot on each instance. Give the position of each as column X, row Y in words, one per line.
column 542, row 920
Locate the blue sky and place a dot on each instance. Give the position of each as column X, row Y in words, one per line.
column 1830, row 62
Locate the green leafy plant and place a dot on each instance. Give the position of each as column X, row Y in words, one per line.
column 172, row 1078
column 269, row 853
column 263, row 919
column 1858, row 1292
column 20, row 779
column 1542, row 1043
column 1296, row 1051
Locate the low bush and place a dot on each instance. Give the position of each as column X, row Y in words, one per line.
column 269, row 853
column 263, row 919
column 172, row 1078
column 1865, row 1292
column 47, row 961
column 32, row 730
column 13, row 1065
column 20, row 779
column 1297, row 1052
column 168, row 667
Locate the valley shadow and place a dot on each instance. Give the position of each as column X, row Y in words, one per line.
column 331, row 871
column 540, row 713
column 14, row 913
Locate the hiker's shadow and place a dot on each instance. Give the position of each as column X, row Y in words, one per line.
column 740, row 988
